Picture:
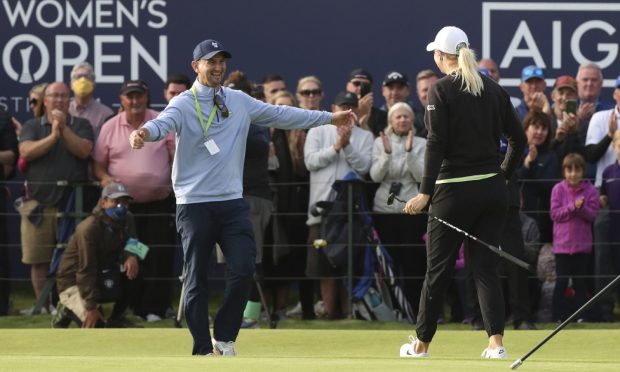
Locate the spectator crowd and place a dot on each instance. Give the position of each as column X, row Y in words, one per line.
column 563, row 218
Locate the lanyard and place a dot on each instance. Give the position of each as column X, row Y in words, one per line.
column 205, row 128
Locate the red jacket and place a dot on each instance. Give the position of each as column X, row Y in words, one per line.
column 572, row 227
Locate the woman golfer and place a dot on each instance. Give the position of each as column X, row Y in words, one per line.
column 467, row 113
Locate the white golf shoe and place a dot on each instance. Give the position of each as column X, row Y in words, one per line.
column 224, row 348
column 497, row 353
column 408, row 349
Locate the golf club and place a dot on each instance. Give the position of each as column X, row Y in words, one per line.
column 607, row 288
column 178, row 320
column 498, row 251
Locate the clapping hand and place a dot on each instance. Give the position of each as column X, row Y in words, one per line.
column 409, row 142
column 579, row 203
column 59, row 121
column 585, row 111
column 387, row 145
column 531, row 156
column 344, row 135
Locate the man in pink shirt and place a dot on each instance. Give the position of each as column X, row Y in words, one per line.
column 146, row 174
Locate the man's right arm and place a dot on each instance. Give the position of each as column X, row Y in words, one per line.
column 167, row 121
column 31, row 150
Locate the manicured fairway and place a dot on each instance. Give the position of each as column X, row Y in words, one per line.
column 298, row 350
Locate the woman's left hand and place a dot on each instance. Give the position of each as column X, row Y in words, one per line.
column 409, row 142
column 416, row 204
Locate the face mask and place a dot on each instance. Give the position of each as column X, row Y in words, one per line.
column 117, row 213
column 82, row 87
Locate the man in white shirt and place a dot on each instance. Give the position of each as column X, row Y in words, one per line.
column 330, row 153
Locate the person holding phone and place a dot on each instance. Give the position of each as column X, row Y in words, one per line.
column 371, row 118
column 569, row 135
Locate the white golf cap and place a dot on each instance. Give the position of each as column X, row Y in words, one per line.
column 447, row 40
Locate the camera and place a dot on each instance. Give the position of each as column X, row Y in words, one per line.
column 395, row 188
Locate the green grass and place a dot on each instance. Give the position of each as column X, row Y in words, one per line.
column 298, row 350
column 28, row 344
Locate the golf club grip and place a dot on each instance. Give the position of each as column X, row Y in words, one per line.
column 601, row 293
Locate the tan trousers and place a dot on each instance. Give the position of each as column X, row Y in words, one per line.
column 73, row 301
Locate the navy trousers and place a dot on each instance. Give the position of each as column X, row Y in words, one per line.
column 201, row 225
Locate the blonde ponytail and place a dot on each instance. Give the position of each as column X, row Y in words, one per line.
column 468, row 70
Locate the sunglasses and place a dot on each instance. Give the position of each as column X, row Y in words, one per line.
column 308, row 92
column 357, row 83
column 219, row 102
column 33, row 102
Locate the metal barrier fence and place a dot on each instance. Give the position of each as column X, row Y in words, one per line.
column 351, row 277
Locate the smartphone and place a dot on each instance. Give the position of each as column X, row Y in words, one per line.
column 571, row 106
column 365, row 89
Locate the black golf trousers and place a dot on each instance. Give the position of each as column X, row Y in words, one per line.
column 479, row 208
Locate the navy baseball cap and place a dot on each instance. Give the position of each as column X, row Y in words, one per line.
column 130, row 86
column 360, row 73
column 530, row 72
column 208, row 48
column 618, row 82
column 395, row 77
column 346, row 98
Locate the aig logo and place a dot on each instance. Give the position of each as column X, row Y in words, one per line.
column 555, row 36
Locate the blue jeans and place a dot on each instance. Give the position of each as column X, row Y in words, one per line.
column 201, row 225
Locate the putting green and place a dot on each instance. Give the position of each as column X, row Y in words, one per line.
column 298, row 350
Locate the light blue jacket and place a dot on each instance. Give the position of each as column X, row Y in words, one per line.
column 198, row 176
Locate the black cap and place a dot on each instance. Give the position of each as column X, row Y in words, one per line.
column 139, row 86
column 346, row 98
column 208, row 48
column 360, row 73
column 395, row 77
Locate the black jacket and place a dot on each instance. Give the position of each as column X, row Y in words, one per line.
column 464, row 132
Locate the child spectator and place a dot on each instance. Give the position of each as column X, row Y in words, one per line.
column 574, row 206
